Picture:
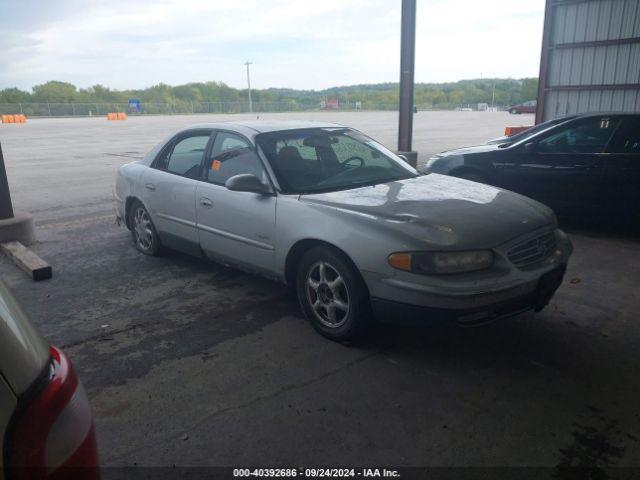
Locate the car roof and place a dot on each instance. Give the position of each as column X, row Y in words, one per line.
column 255, row 127
column 572, row 116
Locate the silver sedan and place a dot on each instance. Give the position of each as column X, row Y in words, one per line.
column 356, row 230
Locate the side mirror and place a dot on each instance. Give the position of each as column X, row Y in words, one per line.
column 529, row 147
column 247, row 182
column 404, row 158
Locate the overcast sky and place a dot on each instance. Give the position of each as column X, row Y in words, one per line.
column 311, row 44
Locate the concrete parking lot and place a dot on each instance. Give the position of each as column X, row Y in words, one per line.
column 190, row 363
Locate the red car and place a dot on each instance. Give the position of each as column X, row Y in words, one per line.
column 46, row 425
column 526, row 107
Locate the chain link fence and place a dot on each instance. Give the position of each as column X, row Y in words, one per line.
column 46, row 109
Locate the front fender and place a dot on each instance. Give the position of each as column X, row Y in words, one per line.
column 365, row 242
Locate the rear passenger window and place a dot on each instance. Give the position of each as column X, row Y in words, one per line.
column 186, row 155
column 627, row 138
column 233, row 155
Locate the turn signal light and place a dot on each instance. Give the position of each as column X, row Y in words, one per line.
column 401, row 261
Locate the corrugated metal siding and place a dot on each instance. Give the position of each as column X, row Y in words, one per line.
column 582, row 76
column 595, row 20
column 562, row 102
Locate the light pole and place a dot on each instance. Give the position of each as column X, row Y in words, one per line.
column 493, row 91
column 247, row 63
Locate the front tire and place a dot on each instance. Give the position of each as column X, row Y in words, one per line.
column 332, row 294
column 143, row 231
column 513, row 111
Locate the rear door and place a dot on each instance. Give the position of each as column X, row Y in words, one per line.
column 563, row 168
column 622, row 170
column 169, row 189
column 237, row 227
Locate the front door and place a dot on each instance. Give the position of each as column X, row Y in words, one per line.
column 235, row 227
column 562, row 168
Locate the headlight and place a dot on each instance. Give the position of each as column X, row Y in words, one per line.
column 441, row 262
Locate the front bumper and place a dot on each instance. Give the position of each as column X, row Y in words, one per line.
column 389, row 310
column 500, row 291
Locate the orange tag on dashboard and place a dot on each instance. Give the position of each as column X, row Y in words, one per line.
column 216, row 165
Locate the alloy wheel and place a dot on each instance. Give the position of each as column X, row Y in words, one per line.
column 143, row 229
column 327, row 294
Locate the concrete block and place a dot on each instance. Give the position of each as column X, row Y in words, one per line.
column 20, row 228
column 27, row 260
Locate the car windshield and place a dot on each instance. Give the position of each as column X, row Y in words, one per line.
column 328, row 159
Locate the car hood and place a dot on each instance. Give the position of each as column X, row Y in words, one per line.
column 475, row 149
column 442, row 211
column 502, row 139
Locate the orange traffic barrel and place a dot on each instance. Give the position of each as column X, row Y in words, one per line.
column 508, row 131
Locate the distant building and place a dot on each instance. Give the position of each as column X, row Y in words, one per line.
column 330, row 104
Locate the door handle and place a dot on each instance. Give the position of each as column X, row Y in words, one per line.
column 150, row 186
column 205, row 202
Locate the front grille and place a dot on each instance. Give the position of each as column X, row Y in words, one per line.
column 532, row 251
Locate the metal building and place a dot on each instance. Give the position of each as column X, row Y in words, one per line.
column 590, row 57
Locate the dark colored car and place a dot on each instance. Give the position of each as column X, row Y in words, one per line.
column 587, row 164
column 526, row 107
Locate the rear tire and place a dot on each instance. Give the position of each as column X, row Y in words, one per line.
column 143, row 232
column 332, row 294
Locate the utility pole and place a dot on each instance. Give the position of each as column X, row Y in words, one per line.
column 493, row 92
column 407, row 66
column 247, row 63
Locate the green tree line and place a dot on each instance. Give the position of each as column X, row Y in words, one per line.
column 384, row 95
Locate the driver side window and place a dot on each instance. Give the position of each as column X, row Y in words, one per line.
column 233, row 155
column 590, row 136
